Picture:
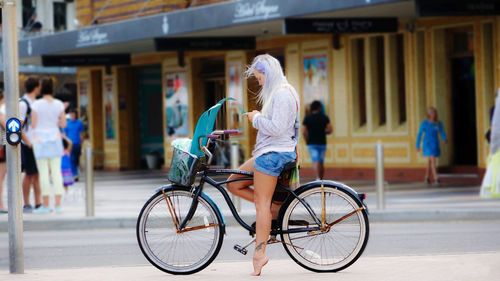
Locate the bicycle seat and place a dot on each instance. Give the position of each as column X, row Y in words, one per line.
column 288, row 167
column 281, row 192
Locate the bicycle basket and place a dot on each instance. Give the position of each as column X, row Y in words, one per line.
column 183, row 167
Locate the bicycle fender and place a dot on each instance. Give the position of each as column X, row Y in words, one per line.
column 334, row 184
column 203, row 195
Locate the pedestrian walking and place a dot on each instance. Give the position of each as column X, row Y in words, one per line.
column 3, row 167
column 74, row 131
column 66, row 169
column 275, row 147
column 490, row 187
column 428, row 136
column 28, row 162
column 48, row 120
column 316, row 126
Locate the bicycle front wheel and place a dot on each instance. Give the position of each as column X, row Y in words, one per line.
column 341, row 235
column 179, row 252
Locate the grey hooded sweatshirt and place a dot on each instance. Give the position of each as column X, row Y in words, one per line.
column 278, row 127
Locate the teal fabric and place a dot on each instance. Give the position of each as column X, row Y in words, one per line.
column 205, row 126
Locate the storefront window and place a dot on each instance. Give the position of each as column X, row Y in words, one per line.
column 28, row 11
column 59, row 16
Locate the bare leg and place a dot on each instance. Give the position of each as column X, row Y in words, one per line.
column 316, row 169
column 321, row 169
column 46, row 201
column 242, row 188
column 58, row 200
column 36, row 187
column 427, row 169
column 264, row 189
column 433, row 169
column 26, row 188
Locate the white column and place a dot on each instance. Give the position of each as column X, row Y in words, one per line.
column 19, row 13
column 70, row 16
column 48, row 21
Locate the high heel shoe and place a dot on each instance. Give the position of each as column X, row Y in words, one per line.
column 258, row 265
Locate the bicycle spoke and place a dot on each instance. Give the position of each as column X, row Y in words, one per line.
column 335, row 244
column 179, row 251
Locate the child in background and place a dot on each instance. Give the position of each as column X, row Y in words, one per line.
column 67, row 174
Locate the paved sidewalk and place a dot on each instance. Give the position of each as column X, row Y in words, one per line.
column 467, row 267
column 119, row 197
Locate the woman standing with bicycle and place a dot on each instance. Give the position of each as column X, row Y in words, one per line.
column 274, row 148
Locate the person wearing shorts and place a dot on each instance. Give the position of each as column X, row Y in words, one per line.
column 316, row 127
column 275, row 147
column 28, row 162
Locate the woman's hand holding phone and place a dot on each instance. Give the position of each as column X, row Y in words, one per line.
column 250, row 115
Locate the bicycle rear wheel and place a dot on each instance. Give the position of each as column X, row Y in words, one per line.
column 173, row 251
column 338, row 243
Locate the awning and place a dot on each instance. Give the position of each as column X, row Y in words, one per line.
column 235, row 18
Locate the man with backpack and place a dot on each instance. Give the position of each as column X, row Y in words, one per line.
column 32, row 87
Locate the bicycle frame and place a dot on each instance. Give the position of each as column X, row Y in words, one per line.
column 219, row 185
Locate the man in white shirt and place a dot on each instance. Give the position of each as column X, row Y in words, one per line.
column 32, row 87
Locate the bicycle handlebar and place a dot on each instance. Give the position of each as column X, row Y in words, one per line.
column 226, row 132
column 214, row 135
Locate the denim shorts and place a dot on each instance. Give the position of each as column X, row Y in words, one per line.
column 272, row 163
column 317, row 152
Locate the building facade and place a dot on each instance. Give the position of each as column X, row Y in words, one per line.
column 376, row 85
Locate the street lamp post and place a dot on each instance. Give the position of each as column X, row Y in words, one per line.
column 11, row 81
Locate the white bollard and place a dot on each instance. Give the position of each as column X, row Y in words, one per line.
column 89, row 182
column 379, row 175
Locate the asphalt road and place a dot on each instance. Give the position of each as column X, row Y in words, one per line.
column 118, row 247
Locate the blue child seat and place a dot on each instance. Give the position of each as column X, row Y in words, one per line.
column 204, row 127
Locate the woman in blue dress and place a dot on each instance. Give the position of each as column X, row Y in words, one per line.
column 430, row 130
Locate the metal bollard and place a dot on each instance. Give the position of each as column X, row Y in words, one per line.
column 235, row 163
column 89, row 182
column 379, row 175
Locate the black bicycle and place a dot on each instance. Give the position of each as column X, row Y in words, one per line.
column 323, row 225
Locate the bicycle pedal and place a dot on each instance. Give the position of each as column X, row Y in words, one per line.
column 272, row 239
column 240, row 249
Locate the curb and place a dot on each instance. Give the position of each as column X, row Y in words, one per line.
column 374, row 217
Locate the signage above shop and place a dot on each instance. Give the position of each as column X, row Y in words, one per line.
column 341, row 25
column 245, row 11
column 86, row 60
column 205, row 43
column 432, row 8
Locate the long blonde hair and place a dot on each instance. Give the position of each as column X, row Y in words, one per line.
column 270, row 67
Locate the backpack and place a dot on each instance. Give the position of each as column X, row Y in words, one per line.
column 28, row 113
